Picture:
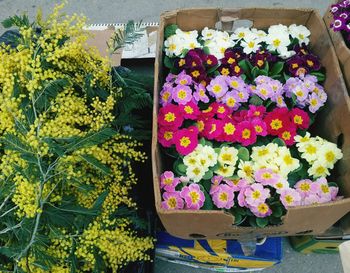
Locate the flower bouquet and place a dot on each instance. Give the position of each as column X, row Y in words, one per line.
column 67, row 161
column 233, row 123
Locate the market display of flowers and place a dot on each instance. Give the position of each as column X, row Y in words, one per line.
column 235, row 110
column 341, row 18
column 67, row 169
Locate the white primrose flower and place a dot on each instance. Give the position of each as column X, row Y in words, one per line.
column 187, row 34
column 240, row 33
column 285, row 161
column 225, row 171
column 204, row 162
column 228, row 155
column 191, row 160
column 208, row 34
column 318, row 170
column 302, row 33
column 259, row 33
column 278, row 39
column 250, row 43
column 329, row 154
column 195, row 173
column 218, row 46
column 210, row 153
column 246, row 170
column 173, row 46
column 309, row 150
column 264, row 153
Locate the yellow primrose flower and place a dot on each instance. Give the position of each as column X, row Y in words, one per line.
column 228, row 155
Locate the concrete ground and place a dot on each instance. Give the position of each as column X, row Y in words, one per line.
column 110, row 11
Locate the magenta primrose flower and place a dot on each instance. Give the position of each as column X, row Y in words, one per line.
column 246, row 134
column 259, row 126
column 165, row 137
column 185, row 141
column 172, row 200
column 170, row 116
column 212, row 129
column 194, row 197
column 190, row 110
column 256, row 194
column 256, row 111
column 182, row 94
column 223, row 197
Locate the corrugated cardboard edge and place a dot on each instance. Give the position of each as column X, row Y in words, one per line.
column 202, row 221
column 343, row 54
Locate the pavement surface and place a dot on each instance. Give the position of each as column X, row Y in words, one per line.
column 111, row 11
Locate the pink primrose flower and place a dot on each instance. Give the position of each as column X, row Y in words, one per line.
column 168, row 182
column 261, row 210
column 194, row 197
column 182, row 94
column 223, row 197
column 266, row 177
column 290, row 198
column 256, row 194
column 172, row 200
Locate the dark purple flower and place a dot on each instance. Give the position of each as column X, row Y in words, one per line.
column 295, row 64
column 232, row 56
column 200, row 53
column 236, row 70
column 180, row 63
column 211, row 61
column 261, row 57
column 301, row 49
column 224, row 69
column 193, row 61
column 312, row 62
column 197, row 73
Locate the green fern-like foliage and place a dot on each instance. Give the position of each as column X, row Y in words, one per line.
column 126, row 35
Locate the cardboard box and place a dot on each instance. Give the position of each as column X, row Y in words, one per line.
column 341, row 49
column 332, row 124
column 218, row 255
column 326, row 243
column 343, row 53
